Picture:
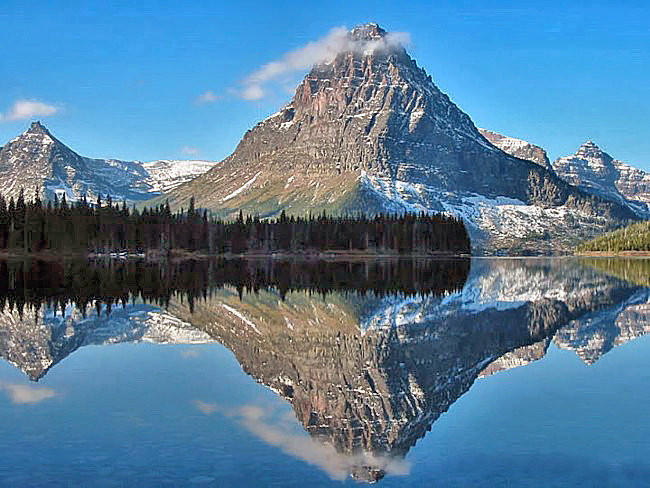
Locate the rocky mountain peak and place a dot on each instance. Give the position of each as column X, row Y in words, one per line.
column 37, row 128
column 36, row 125
column 590, row 150
column 37, row 161
column 368, row 130
column 593, row 170
column 367, row 32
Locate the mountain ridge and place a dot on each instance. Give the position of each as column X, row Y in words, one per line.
column 518, row 148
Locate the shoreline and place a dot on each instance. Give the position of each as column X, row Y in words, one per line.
column 184, row 255
column 306, row 256
column 610, row 254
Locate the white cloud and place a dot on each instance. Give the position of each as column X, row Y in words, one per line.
column 26, row 109
column 322, row 50
column 252, row 92
column 208, row 97
column 27, row 394
column 190, row 151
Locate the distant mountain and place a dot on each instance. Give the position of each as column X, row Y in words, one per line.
column 369, row 131
column 37, row 161
column 597, row 333
column 518, row 148
column 594, row 171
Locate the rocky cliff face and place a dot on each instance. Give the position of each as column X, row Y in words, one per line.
column 37, row 162
column 596, row 172
column 518, row 148
column 369, row 131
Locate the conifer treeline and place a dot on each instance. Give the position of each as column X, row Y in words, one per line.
column 107, row 227
column 634, row 237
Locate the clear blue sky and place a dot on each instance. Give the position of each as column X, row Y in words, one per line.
column 125, row 75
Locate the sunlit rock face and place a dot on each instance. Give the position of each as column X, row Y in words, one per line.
column 368, row 130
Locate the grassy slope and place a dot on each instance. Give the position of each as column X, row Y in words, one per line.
column 304, row 194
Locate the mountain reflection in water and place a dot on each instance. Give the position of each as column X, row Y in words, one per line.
column 369, row 353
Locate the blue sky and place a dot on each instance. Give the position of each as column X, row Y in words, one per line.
column 125, row 77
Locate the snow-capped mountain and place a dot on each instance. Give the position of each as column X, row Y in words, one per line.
column 36, row 161
column 595, row 171
column 518, row 148
column 369, row 131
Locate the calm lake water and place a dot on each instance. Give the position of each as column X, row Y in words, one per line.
column 483, row 372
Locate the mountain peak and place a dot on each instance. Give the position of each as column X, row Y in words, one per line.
column 590, row 150
column 368, row 130
column 589, row 144
column 367, row 32
column 37, row 128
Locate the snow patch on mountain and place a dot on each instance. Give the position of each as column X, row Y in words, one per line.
column 502, row 218
column 165, row 174
column 242, row 188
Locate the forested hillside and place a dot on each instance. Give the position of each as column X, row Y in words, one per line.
column 635, row 237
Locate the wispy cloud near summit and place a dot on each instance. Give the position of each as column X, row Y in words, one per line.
column 322, row 50
column 25, row 109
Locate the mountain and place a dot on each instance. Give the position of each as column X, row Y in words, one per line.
column 369, row 131
column 518, row 148
column 594, row 171
column 37, row 160
column 597, row 333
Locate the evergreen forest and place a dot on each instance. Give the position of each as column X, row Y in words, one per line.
column 104, row 227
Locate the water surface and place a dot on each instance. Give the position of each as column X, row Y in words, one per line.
column 521, row 372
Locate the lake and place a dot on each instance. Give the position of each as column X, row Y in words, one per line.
column 481, row 372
